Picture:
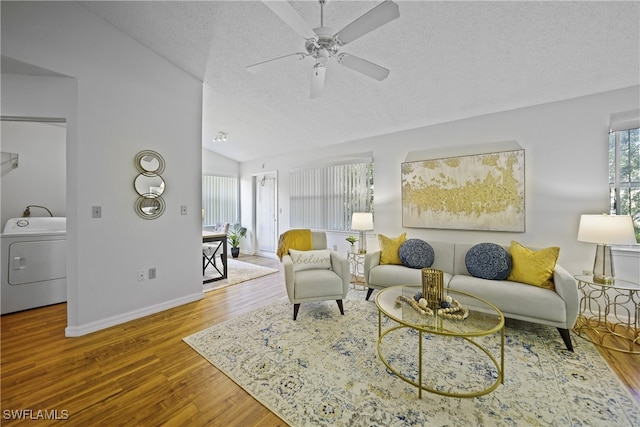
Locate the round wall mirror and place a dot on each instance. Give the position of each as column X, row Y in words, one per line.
column 149, row 208
column 150, row 162
column 149, row 185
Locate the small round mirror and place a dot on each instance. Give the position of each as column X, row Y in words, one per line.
column 148, row 161
column 149, row 208
column 149, row 185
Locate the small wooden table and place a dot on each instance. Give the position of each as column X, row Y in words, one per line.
column 215, row 237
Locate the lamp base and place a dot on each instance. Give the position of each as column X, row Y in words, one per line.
column 362, row 243
column 603, row 272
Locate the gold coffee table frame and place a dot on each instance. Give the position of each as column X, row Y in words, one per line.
column 466, row 329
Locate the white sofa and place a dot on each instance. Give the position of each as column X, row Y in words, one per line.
column 515, row 300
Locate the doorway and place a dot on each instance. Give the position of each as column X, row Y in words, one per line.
column 34, row 183
column 266, row 205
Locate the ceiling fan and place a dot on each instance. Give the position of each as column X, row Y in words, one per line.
column 322, row 43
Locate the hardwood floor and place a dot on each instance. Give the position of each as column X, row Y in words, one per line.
column 140, row 372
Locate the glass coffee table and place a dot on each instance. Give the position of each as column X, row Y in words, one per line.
column 441, row 340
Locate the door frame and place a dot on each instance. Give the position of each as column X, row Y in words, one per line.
column 257, row 178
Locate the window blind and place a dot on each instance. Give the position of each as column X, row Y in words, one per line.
column 324, row 197
column 219, row 199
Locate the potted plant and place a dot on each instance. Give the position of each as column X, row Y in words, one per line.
column 235, row 234
column 352, row 240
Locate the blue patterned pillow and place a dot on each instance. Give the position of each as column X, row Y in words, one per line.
column 488, row 261
column 416, row 253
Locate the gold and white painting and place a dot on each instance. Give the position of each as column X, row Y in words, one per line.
column 477, row 192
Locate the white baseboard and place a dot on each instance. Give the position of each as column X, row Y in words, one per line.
column 76, row 331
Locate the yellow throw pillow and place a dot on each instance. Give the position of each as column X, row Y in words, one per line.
column 533, row 267
column 390, row 248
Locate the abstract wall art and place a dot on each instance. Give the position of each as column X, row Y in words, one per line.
column 476, row 192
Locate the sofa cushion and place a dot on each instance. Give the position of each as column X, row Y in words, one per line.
column 390, row 248
column 317, row 283
column 514, row 299
column 382, row 276
column 319, row 259
column 416, row 253
column 533, row 267
column 488, row 261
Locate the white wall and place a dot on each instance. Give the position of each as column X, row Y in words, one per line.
column 215, row 164
column 566, row 172
column 40, row 178
column 126, row 99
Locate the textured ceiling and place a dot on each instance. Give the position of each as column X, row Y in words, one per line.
column 448, row 60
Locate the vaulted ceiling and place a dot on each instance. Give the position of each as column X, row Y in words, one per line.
column 448, row 60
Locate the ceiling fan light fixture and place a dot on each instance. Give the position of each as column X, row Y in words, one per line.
column 322, row 43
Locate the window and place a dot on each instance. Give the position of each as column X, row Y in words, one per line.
column 325, row 197
column 219, row 199
column 624, row 174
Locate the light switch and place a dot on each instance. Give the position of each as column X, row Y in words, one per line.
column 183, row 210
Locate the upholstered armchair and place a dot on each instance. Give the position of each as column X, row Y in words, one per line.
column 315, row 275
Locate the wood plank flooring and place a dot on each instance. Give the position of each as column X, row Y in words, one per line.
column 140, row 372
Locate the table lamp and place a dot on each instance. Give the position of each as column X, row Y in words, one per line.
column 362, row 221
column 605, row 230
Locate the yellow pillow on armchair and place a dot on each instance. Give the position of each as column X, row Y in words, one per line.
column 533, row 267
column 390, row 248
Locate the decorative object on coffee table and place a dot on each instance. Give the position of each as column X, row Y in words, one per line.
column 433, row 287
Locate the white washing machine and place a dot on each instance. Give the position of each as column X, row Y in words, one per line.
column 34, row 263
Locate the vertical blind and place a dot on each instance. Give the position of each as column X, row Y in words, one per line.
column 219, row 199
column 325, row 197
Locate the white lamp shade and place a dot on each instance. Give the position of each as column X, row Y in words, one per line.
column 362, row 221
column 606, row 229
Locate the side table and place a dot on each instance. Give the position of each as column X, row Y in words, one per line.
column 611, row 314
column 356, row 265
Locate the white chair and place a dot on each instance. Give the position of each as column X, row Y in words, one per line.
column 317, row 284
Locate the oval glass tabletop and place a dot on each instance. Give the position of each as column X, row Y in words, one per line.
column 483, row 318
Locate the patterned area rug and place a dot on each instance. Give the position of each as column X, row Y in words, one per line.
column 324, row 370
column 237, row 272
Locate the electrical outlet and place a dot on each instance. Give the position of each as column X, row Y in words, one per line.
column 335, row 248
column 141, row 275
column 152, row 273
column 183, row 210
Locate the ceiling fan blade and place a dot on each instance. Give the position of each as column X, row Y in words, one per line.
column 363, row 66
column 317, row 81
column 378, row 16
column 260, row 65
column 288, row 14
